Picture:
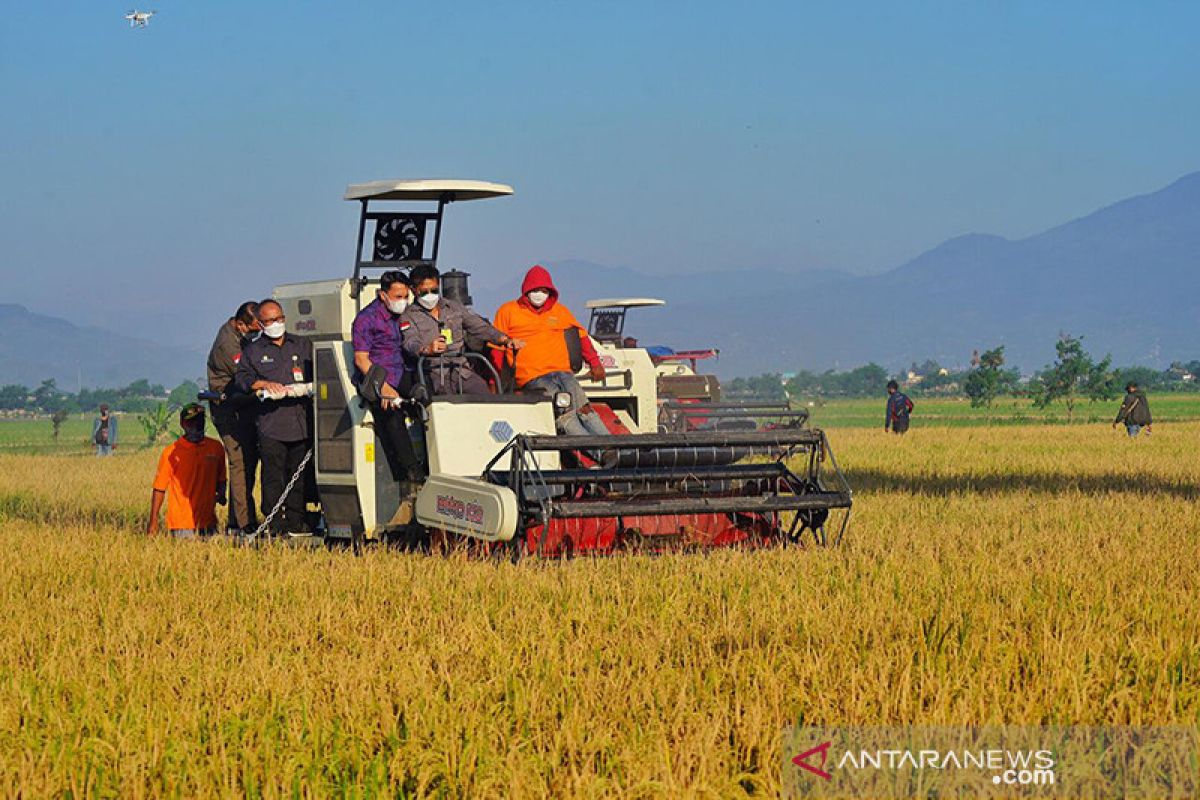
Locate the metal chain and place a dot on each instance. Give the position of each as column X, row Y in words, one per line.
column 282, row 499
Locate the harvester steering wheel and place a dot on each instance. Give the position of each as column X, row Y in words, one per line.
column 443, row 364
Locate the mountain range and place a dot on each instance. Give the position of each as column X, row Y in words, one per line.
column 34, row 347
column 1124, row 277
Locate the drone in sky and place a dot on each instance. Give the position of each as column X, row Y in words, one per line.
column 139, row 19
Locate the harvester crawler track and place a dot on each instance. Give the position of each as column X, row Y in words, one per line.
column 669, row 490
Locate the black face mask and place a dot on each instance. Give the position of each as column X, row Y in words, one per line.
column 194, row 434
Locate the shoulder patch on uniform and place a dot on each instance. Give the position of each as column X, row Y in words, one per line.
column 237, row 358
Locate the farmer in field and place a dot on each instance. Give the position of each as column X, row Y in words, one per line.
column 1134, row 412
column 104, row 432
column 191, row 478
column 899, row 408
column 233, row 415
column 544, row 364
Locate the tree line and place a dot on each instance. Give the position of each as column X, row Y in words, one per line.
column 140, row 397
column 1074, row 376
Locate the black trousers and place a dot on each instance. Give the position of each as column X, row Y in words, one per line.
column 392, row 431
column 280, row 460
column 241, row 446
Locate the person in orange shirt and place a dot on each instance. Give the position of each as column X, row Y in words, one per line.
column 544, row 363
column 191, row 478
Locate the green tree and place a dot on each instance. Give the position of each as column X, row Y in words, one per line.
column 989, row 379
column 13, row 397
column 155, row 423
column 57, row 419
column 47, row 397
column 760, row 387
column 866, row 380
column 1073, row 375
column 1145, row 377
column 183, row 394
column 1103, row 382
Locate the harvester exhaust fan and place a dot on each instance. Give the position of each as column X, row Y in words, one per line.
column 398, row 239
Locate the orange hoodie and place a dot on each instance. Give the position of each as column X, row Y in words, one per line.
column 542, row 329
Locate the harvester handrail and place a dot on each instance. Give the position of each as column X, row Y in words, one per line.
column 678, row 405
column 728, row 414
column 782, row 437
column 643, row 474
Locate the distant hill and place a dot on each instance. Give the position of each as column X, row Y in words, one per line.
column 1126, row 277
column 34, row 347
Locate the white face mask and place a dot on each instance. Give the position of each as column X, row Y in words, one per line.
column 538, row 298
column 274, row 330
column 428, row 301
column 397, row 306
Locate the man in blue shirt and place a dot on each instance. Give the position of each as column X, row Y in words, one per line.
column 899, row 407
column 383, row 376
column 104, row 432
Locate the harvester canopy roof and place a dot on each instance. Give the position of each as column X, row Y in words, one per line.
column 624, row 302
column 426, row 189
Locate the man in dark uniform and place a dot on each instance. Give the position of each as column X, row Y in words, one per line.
column 279, row 367
column 437, row 329
column 233, row 414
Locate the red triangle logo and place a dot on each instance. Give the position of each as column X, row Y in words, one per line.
column 802, row 760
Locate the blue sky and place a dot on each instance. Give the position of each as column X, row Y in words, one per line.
column 154, row 178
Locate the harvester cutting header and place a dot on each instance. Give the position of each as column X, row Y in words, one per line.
column 499, row 468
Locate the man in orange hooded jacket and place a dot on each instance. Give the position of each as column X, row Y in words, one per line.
column 544, row 363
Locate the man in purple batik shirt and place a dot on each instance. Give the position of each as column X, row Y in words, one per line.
column 377, row 338
column 383, row 376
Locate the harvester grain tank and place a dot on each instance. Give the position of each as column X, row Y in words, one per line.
column 498, row 471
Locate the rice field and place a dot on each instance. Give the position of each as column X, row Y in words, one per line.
column 1024, row 574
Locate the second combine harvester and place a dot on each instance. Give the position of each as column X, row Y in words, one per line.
column 497, row 470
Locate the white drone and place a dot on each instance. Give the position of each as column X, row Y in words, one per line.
column 139, row 19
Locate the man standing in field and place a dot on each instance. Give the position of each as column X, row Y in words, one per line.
column 280, row 367
column 1135, row 411
column 899, row 407
column 233, row 413
column 104, row 432
column 191, row 478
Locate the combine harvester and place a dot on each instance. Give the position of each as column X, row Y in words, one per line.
column 499, row 474
column 687, row 400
